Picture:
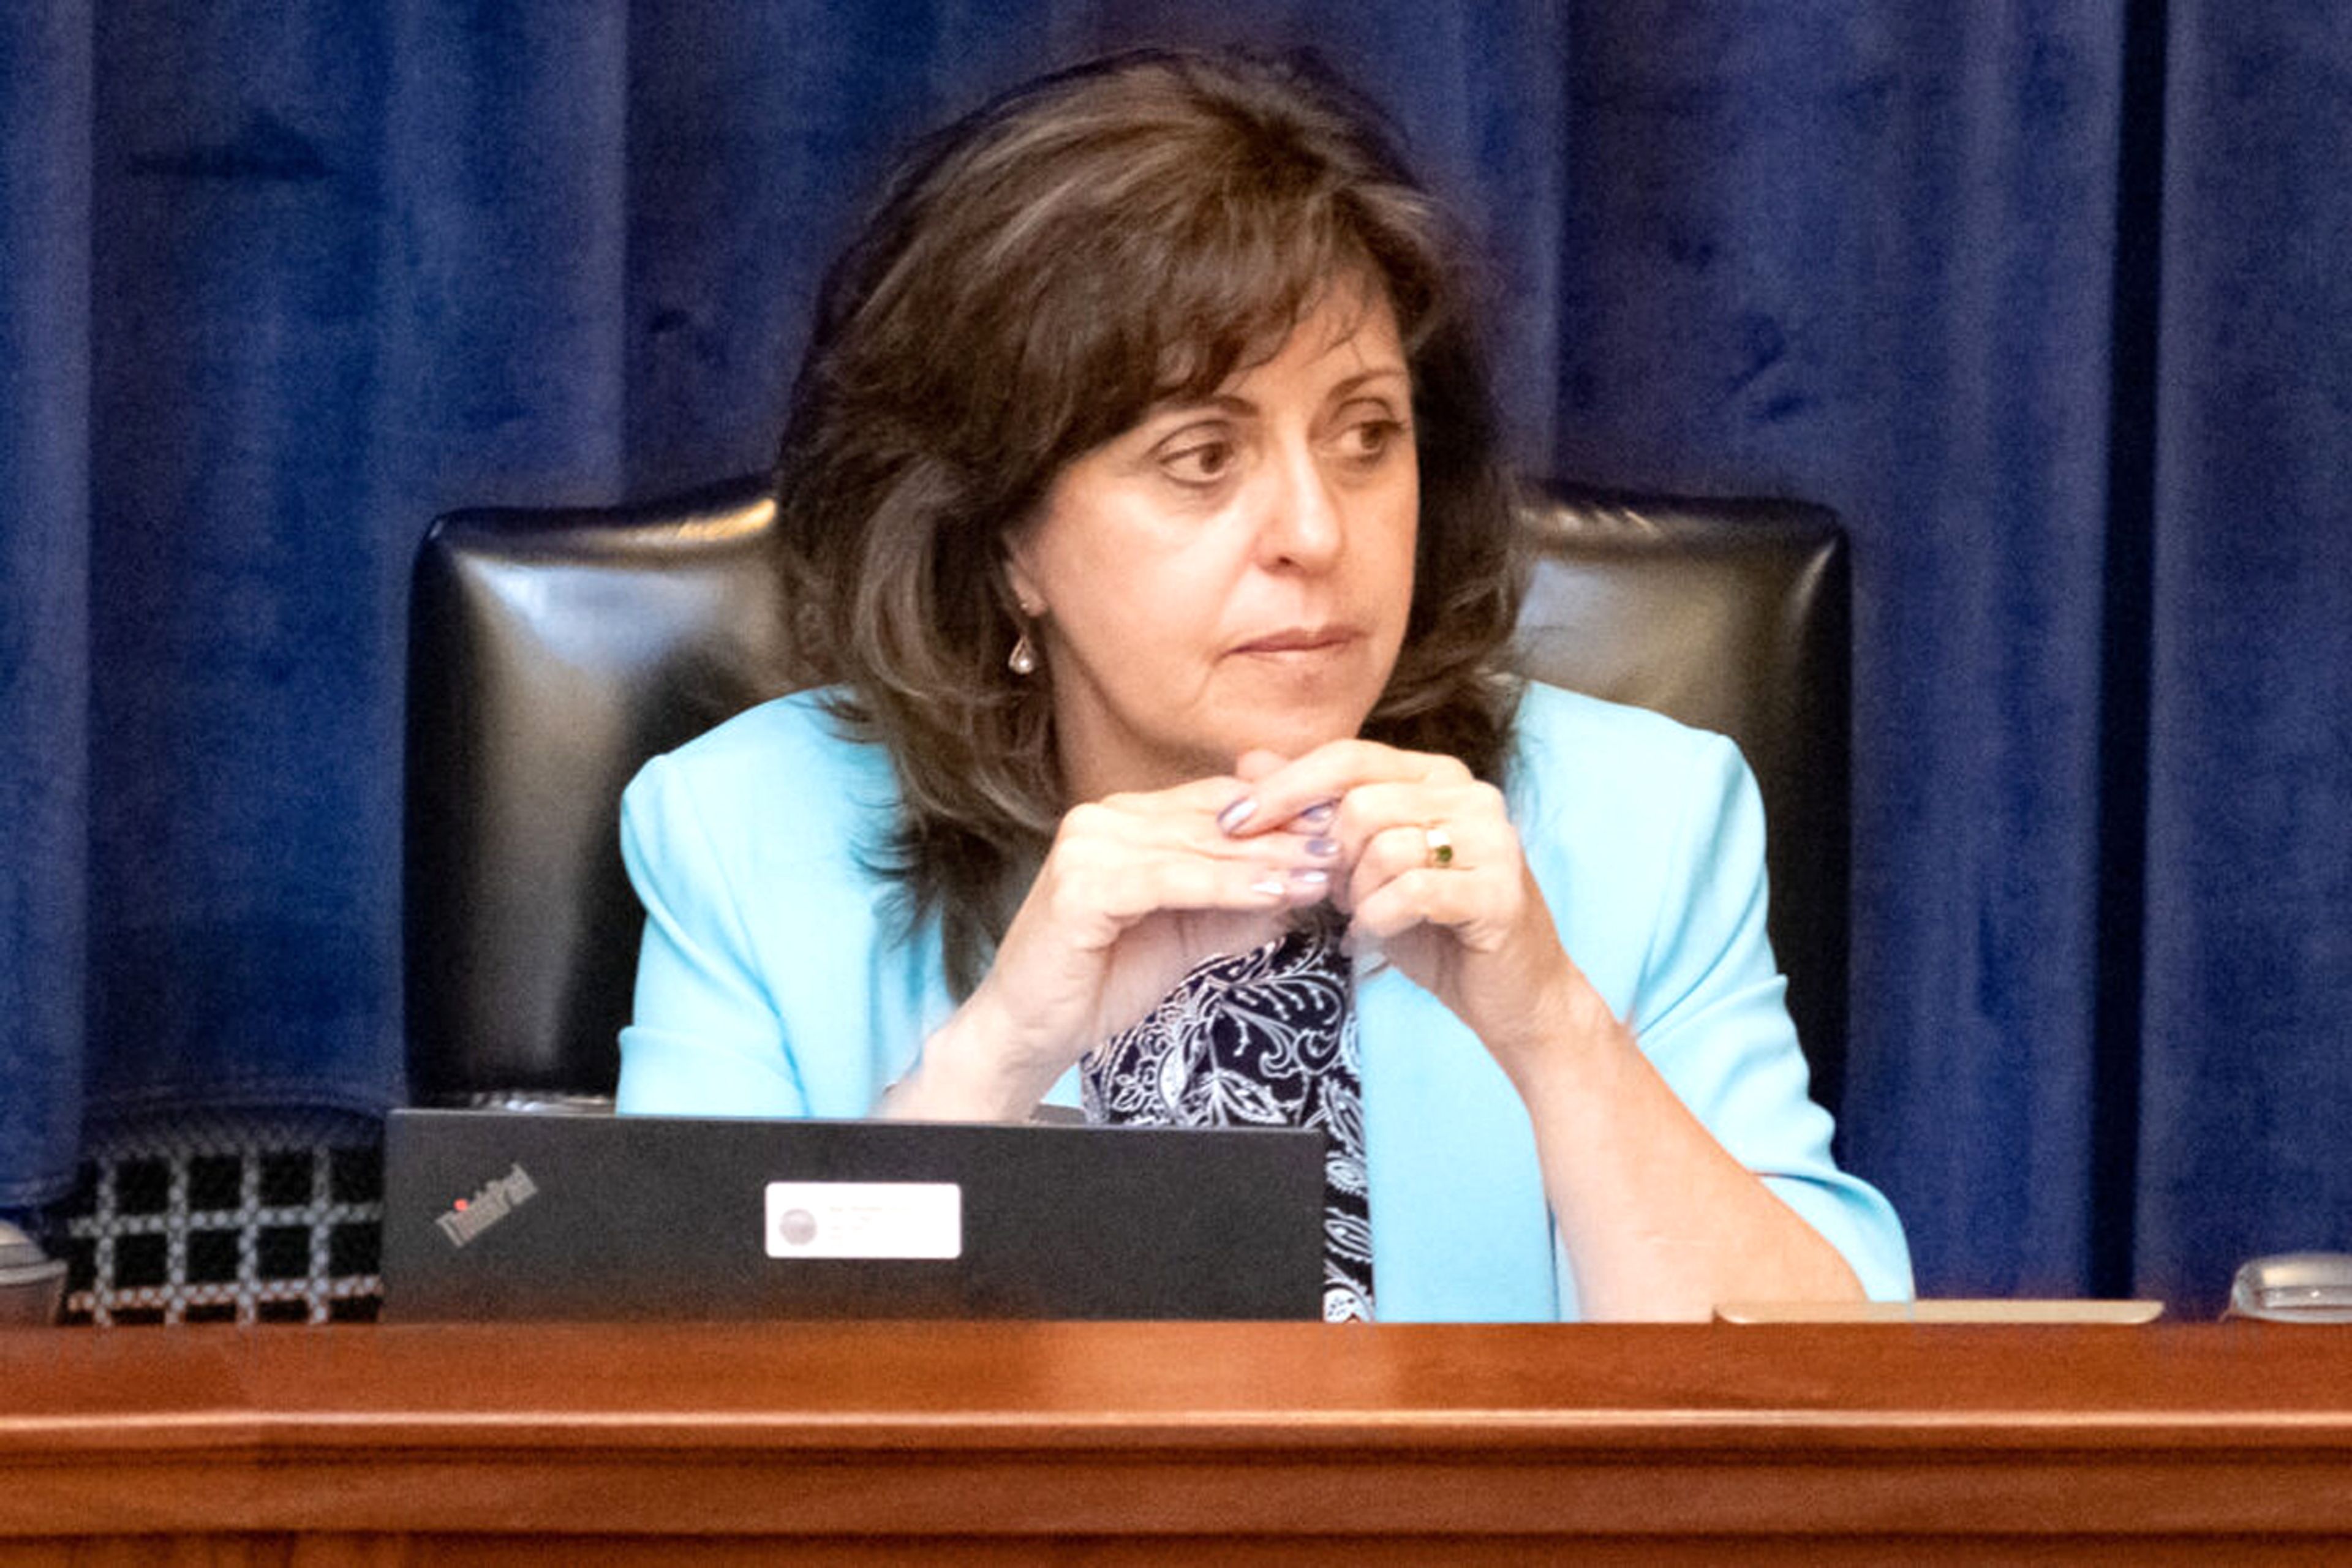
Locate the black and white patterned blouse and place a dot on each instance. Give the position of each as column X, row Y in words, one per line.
column 1266, row 1037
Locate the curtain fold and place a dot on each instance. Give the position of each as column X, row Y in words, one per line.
column 2246, row 1071
column 1867, row 261
column 236, row 653
column 282, row 284
column 44, row 204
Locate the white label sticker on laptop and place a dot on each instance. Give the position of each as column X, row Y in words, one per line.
column 864, row 1219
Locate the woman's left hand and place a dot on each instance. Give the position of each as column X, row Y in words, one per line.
column 1660, row 1221
column 1432, row 874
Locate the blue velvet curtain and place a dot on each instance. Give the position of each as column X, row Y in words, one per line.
column 2048, row 300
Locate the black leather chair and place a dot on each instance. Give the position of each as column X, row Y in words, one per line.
column 552, row 651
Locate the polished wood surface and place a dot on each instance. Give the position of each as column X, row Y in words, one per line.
column 1227, row 1442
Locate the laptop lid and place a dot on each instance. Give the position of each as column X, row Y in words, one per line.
column 500, row 1215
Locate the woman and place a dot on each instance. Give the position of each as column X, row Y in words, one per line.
column 1142, row 508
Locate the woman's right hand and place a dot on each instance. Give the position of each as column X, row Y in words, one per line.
column 1135, row 891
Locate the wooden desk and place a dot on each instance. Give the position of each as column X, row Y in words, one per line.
column 966, row 1444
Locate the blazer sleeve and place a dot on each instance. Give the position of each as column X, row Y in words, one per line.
column 1711, row 1014
column 707, row 1038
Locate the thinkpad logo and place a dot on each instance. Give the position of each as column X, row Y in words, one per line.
column 468, row 1217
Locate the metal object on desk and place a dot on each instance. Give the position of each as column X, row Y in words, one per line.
column 31, row 1282
column 2294, row 1288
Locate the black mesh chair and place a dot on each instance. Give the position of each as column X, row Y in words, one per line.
column 552, row 651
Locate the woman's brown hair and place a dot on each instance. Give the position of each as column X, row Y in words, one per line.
column 1034, row 280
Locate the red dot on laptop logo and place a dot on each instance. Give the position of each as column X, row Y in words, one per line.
column 797, row 1226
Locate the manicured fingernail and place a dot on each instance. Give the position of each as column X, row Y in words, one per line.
column 1313, row 877
column 1233, row 816
column 1324, row 847
column 1320, row 815
column 1269, row 887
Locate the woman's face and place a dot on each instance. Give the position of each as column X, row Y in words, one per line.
column 1235, row 573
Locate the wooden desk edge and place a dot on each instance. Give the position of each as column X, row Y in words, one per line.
column 1069, row 1430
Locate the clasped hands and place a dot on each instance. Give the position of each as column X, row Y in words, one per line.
column 1138, row 888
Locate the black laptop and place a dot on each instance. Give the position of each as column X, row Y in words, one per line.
column 500, row 1215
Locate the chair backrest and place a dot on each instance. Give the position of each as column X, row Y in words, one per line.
column 1735, row 615
column 552, row 650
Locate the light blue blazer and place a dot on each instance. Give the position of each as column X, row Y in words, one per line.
column 774, row 982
